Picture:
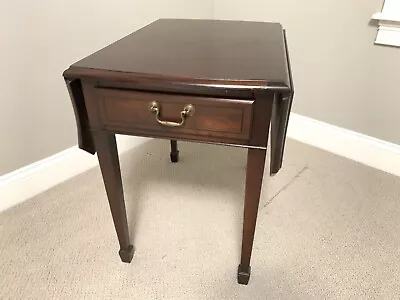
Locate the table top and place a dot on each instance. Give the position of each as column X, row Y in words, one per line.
column 197, row 51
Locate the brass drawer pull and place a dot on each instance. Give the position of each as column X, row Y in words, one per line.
column 187, row 111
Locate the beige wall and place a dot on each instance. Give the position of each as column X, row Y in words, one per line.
column 42, row 38
column 340, row 76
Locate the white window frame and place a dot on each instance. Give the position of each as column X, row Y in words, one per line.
column 389, row 24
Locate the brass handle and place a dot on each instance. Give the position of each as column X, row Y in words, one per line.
column 187, row 111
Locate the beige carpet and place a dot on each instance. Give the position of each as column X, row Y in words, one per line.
column 328, row 228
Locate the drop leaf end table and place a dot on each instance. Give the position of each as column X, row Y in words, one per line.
column 212, row 81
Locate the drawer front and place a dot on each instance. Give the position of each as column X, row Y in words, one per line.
column 213, row 117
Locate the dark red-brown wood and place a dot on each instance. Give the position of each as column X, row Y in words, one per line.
column 174, row 155
column 236, row 75
column 280, row 121
column 213, row 117
column 196, row 51
column 85, row 139
column 254, row 177
column 109, row 164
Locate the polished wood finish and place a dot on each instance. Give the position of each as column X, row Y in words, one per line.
column 196, row 51
column 85, row 139
column 280, row 121
column 235, row 74
column 174, row 155
column 213, row 117
column 254, row 177
column 109, row 164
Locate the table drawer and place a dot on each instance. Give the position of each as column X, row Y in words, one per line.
column 171, row 113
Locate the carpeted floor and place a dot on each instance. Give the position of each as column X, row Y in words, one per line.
column 328, row 228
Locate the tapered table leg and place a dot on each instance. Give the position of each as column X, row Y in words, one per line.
column 107, row 153
column 174, row 155
column 254, row 177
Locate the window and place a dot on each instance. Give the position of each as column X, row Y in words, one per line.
column 389, row 24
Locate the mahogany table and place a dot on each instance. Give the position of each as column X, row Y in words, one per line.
column 221, row 82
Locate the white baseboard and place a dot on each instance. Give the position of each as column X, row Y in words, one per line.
column 359, row 147
column 24, row 183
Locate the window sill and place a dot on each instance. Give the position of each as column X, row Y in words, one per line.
column 388, row 36
column 386, row 18
column 388, row 30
